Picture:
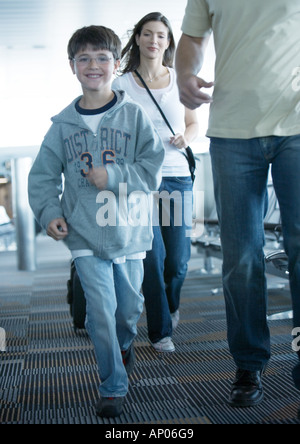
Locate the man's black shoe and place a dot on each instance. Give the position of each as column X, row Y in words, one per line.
column 247, row 389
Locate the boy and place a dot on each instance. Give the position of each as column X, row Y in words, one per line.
column 103, row 143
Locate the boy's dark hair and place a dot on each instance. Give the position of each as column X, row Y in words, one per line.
column 131, row 52
column 99, row 37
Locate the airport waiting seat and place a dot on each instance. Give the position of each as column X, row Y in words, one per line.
column 276, row 259
column 7, row 236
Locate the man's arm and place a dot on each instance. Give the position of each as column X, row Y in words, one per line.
column 189, row 61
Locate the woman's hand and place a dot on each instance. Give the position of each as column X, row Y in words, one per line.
column 179, row 141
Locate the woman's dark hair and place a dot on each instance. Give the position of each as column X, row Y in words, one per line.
column 99, row 37
column 131, row 52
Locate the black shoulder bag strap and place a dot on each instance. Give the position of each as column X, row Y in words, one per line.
column 189, row 153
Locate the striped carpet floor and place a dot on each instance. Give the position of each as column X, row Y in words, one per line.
column 48, row 374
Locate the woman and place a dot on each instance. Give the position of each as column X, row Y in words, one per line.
column 150, row 51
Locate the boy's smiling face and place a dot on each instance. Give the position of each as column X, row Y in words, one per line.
column 94, row 68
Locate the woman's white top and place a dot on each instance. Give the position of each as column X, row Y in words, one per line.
column 175, row 163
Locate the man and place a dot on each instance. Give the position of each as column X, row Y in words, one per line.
column 254, row 123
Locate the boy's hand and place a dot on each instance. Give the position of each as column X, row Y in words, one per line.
column 58, row 229
column 98, row 177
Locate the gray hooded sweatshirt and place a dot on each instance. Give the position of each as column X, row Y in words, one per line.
column 115, row 222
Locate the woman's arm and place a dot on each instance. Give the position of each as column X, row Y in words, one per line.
column 191, row 130
column 191, row 125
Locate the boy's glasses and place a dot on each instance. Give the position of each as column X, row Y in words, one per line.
column 85, row 60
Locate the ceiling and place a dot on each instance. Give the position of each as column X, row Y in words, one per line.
column 45, row 23
column 35, row 77
column 35, row 80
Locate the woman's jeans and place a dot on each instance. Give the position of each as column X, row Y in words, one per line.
column 166, row 265
column 240, row 170
column 114, row 306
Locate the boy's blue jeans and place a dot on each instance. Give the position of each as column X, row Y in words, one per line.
column 166, row 264
column 240, row 169
column 114, row 306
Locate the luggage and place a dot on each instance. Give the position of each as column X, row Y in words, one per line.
column 76, row 299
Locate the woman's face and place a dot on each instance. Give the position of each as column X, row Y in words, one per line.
column 154, row 40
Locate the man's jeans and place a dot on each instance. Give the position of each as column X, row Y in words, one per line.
column 240, row 170
column 166, row 265
column 114, row 306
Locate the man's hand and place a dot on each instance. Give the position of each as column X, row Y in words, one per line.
column 98, row 177
column 189, row 60
column 191, row 94
column 58, row 229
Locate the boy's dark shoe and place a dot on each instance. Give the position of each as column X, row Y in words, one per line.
column 109, row 407
column 129, row 359
column 247, row 389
